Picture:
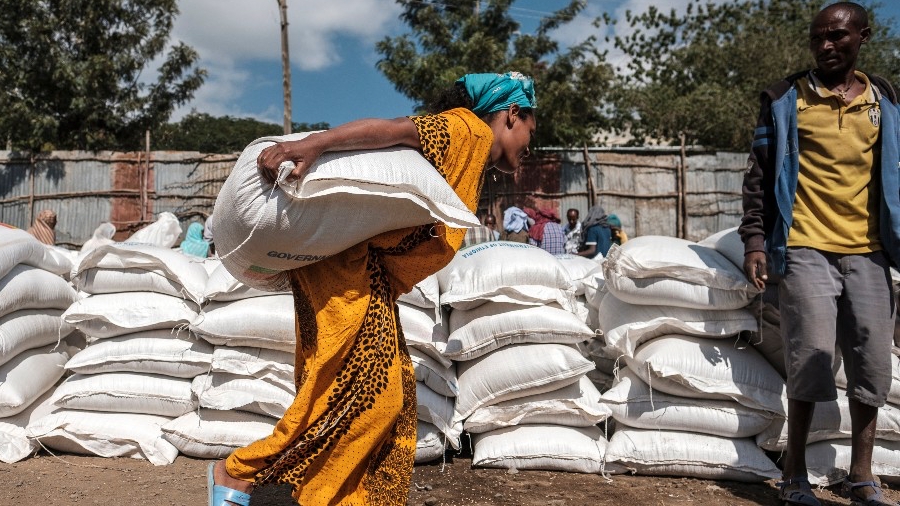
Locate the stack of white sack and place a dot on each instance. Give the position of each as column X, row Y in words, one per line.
column 828, row 444
column 262, row 230
column 33, row 345
column 424, row 329
column 694, row 395
column 135, row 374
column 514, row 331
column 249, row 382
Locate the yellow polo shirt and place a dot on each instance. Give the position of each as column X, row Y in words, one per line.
column 838, row 189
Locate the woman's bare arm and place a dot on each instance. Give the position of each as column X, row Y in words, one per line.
column 355, row 135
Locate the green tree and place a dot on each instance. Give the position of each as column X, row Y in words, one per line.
column 72, row 72
column 225, row 134
column 450, row 39
column 698, row 73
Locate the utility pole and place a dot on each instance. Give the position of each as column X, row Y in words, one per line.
column 285, row 66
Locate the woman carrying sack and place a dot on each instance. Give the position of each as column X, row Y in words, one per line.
column 350, row 435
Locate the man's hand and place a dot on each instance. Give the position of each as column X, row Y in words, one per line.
column 755, row 268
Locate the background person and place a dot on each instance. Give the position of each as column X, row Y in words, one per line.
column 574, row 239
column 546, row 233
column 350, row 435
column 515, row 225
column 617, row 235
column 815, row 202
column 490, row 221
column 597, row 235
column 479, row 234
column 44, row 227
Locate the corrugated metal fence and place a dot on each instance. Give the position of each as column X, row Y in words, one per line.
column 689, row 194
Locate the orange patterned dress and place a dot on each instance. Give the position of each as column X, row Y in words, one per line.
column 349, row 437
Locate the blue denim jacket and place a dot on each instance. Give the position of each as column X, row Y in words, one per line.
column 781, row 129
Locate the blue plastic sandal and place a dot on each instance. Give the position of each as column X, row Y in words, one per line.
column 218, row 494
column 848, row 490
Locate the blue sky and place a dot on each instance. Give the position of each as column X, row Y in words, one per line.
column 332, row 49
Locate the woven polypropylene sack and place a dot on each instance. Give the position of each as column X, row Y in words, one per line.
column 544, row 447
column 687, row 454
column 475, row 332
column 105, row 435
column 502, row 271
column 344, row 199
column 668, row 271
column 709, row 369
column 212, row 434
column 634, row 404
column 575, row 405
column 516, row 371
column 121, row 392
column 626, row 326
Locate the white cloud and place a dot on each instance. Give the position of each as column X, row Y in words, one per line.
column 229, row 33
column 240, row 30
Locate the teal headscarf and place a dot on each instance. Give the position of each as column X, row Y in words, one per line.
column 193, row 243
column 496, row 92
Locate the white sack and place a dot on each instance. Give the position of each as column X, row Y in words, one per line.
column 435, row 409
column 19, row 247
column 667, row 271
column 672, row 453
column 30, row 328
column 709, row 369
column 582, row 271
column 105, row 435
column 113, row 314
column 544, row 447
column 344, row 199
column 727, row 242
column 276, row 367
column 425, row 294
column 429, row 443
column 140, row 268
column 25, row 377
column 262, row 322
column 223, row 287
column 475, row 332
column 422, row 332
column 151, row 352
column 164, row 232
column 633, row 404
column 26, row 287
column 15, row 441
column 502, row 271
column 626, row 326
column 831, row 421
column 225, row 391
column 438, row 377
column 575, row 405
column 215, row 434
column 121, row 392
column 516, row 371
column 828, row 462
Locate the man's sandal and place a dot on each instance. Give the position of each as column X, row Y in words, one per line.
column 218, row 494
column 802, row 494
column 848, row 490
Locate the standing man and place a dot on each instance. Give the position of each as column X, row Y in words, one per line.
column 573, row 232
column 821, row 198
column 479, row 234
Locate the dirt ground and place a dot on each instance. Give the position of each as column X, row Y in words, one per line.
column 76, row 480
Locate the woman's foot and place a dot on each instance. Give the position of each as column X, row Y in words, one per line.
column 220, row 478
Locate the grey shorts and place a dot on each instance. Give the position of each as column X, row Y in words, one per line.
column 827, row 299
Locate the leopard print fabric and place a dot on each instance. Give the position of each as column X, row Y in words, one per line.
column 364, row 376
